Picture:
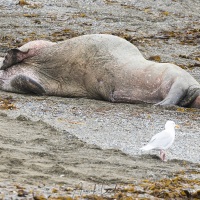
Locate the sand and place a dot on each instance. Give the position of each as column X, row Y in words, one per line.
column 53, row 140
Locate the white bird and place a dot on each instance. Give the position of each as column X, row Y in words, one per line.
column 163, row 140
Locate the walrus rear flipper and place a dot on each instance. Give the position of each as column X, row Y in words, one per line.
column 175, row 95
column 27, row 85
column 192, row 94
column 13, row 57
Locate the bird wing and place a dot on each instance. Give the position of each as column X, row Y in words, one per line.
column 159, row 141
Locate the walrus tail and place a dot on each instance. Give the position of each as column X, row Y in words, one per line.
column 191, row 95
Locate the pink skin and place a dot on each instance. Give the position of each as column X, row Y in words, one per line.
column 162, row 155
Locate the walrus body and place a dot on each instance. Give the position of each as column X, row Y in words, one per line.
column 97, row 66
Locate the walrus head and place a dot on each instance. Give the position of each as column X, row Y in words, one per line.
column 13, row 57
column 28, row 50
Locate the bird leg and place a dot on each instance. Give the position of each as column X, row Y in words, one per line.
column 162, row 155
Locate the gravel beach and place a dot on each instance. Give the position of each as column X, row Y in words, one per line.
column 88, row 145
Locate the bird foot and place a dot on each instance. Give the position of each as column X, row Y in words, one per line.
column 162, row 156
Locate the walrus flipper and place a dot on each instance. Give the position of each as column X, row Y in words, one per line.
column 13, row 57
column 27, row 85
column 175, row 95
column 192, row 94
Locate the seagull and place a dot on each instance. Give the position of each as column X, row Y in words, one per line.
column 163, row 140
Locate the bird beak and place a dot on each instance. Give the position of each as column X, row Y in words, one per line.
column 177, row 126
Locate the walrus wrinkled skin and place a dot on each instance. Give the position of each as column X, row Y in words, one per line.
column 97, row 66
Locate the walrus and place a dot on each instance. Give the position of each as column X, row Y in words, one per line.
column 96, row 66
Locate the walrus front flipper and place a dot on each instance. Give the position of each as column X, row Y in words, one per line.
column 13, row 57
column 27, row 85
